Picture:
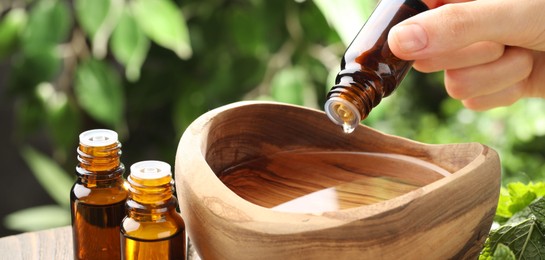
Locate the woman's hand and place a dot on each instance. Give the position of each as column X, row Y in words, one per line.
column 492, row 51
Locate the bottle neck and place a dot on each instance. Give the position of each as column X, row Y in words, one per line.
column 100, row 165
column 99, row 159
column 150, row 199
column 103, row 180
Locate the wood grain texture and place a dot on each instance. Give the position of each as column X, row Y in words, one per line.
column 48, row 244
column 445, row 217
column 325, row 178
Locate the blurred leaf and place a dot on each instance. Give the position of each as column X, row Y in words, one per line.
column 250, row 37
column 518, row 196
column 99, row 92
column 51, row 176
column 63, row 119
column 48, row 24
column 38, row 218
column 29, row 115
column 502, row 210
column 288, row 86
column 91, row 14
column 164, row 23
column 37, row 66
column 130, row 46
column 64, row 124
column 11, row 27
column 98, row 18
column 522, row 195
column 346, row 16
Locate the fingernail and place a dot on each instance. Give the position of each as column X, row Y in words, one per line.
column 410, row 38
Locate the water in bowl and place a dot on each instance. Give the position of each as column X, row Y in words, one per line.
column 314, row 182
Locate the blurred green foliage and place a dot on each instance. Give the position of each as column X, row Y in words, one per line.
column 148, row 68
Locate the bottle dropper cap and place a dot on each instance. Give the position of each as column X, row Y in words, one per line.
column 148, row 170
column 98, row 137
column 343, row 113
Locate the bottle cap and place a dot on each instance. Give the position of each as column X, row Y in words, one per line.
column 148, row 170
column 98, row 137
column 343, row 113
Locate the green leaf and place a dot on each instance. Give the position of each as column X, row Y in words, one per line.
column 521, row 201
column 346, row 16
column 249, row 37
column 48, row 25
column 11, row 27
column 50, row 175
column 98, row 18
column 504, row 201
column 38, row 218
column 99, row 92
column 29, row 116
column 288, row 86
column 523, row 233
column 518, row 196
column 503, row 252
column 538, row 209
column 538, row 188
column 32, row 68
column 130, row 46
column 526, row 239
column 62, row 117
column 163, row 22
column 91, row 14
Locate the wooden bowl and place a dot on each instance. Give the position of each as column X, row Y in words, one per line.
column 262, row 180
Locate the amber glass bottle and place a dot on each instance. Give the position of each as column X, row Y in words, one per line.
column 98, row 196
column 152, row 228
column 369, row 70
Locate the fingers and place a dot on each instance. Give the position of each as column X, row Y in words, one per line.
column 473, row 55
column 452, row 27
column 514, row 66
column 498, row 83
column 467, row 39
column 505, row 97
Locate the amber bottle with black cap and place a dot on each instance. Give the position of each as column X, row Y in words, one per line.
column 369, row 70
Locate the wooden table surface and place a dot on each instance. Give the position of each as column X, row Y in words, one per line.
column 47, row 244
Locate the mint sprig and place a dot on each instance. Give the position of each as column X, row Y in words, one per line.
column 521, row 213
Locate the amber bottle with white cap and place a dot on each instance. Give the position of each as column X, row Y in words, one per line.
column 369, row 70
column 152, row 229
column 98, row 196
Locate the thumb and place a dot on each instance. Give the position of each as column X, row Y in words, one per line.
column 454, row 26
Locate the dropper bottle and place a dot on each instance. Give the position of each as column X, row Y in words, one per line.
column 152, row 229
column 369, row 70
column 98, row 197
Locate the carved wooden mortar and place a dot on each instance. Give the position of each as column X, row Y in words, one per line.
column 446, row 215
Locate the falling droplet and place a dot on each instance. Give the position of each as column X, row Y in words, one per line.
column 347, row 129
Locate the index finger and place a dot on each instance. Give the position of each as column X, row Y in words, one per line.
column 455, row 26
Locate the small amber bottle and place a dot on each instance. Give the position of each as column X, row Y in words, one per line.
column 98, row 196
column 369, row 70
column 152, row 228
